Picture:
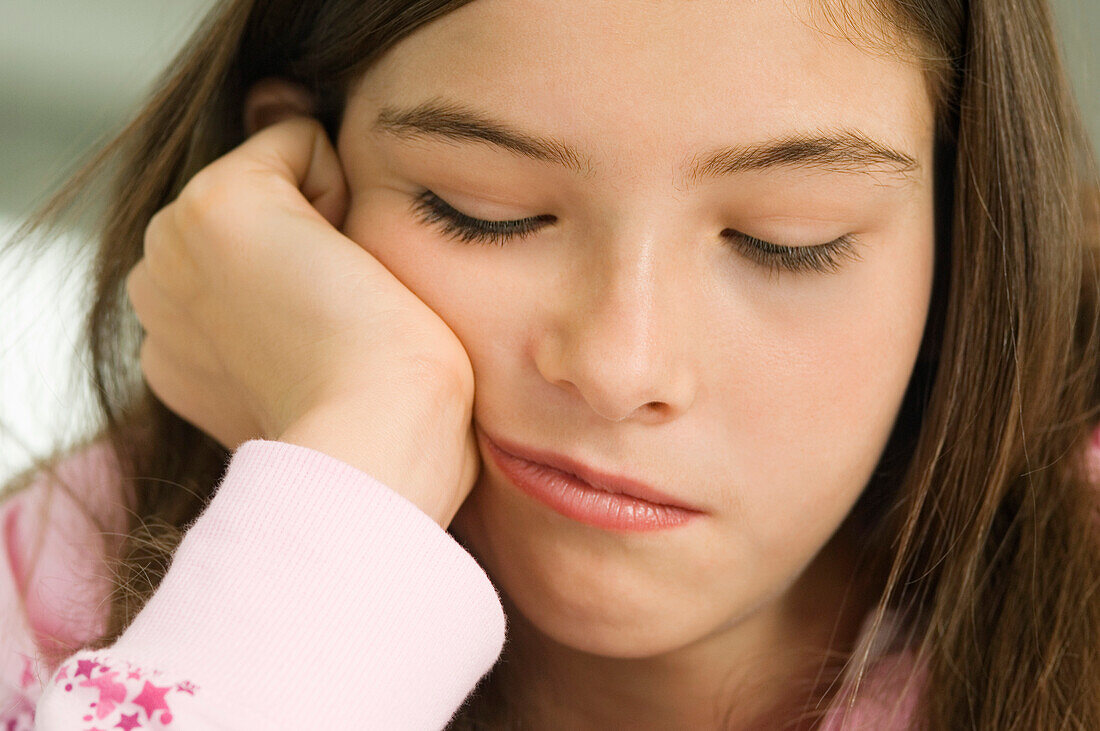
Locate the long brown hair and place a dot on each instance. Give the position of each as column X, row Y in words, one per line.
column 981, row 520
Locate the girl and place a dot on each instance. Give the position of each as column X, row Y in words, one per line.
column 739, row 359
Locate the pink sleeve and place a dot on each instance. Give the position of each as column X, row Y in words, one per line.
column 306, row 595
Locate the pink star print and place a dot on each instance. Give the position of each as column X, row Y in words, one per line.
column 128, row 722
column 85, row 668
column 152, row 699
column 110, row 692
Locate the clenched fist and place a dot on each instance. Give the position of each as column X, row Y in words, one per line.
column 262, row 320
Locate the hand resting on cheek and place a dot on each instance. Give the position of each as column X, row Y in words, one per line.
column 263, row 321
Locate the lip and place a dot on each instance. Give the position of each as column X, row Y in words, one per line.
column 586, row 494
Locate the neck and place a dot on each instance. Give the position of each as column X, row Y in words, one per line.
column 747, row 674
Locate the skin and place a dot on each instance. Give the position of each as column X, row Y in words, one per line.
column 630, row 335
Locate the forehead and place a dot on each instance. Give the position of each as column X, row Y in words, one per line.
column 626, row 77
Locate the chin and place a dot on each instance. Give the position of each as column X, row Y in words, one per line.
column 584, row 601
column 602, row 629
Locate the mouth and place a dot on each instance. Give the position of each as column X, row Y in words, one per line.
column 591, row 496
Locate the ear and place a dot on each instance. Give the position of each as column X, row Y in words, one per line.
column 271, row 100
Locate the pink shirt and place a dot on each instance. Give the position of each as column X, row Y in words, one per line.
column 360, row 612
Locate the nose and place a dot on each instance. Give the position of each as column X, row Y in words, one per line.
column 619, row 335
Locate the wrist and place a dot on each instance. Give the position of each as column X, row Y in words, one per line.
column 414, row 449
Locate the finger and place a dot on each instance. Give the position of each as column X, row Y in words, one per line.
column 173, row 329
column 299, row 151
column 167, row 381
column 213, row 412
column 166, row 261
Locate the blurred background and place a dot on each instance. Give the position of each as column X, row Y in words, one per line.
column 73, row 71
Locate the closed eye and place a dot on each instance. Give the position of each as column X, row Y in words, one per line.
column 433, row 210
column 825, row 258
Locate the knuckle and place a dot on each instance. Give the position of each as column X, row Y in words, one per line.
column 167, row 264
column 167, row 270
column 447, row 377
column 158, row 232
column 205, row 197
column 155, row 228
column 155, row 231
column 134, row 285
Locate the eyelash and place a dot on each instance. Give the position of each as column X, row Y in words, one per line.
column 824, row 258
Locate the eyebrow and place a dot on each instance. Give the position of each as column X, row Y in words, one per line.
column 841, row 150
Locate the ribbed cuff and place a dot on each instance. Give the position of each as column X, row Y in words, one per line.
column 311, row 593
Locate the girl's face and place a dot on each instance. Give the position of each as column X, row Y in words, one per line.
column 636, row 331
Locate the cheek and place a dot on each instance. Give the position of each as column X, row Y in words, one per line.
column 819, row 394
column 464, row 290
column 379, row 223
